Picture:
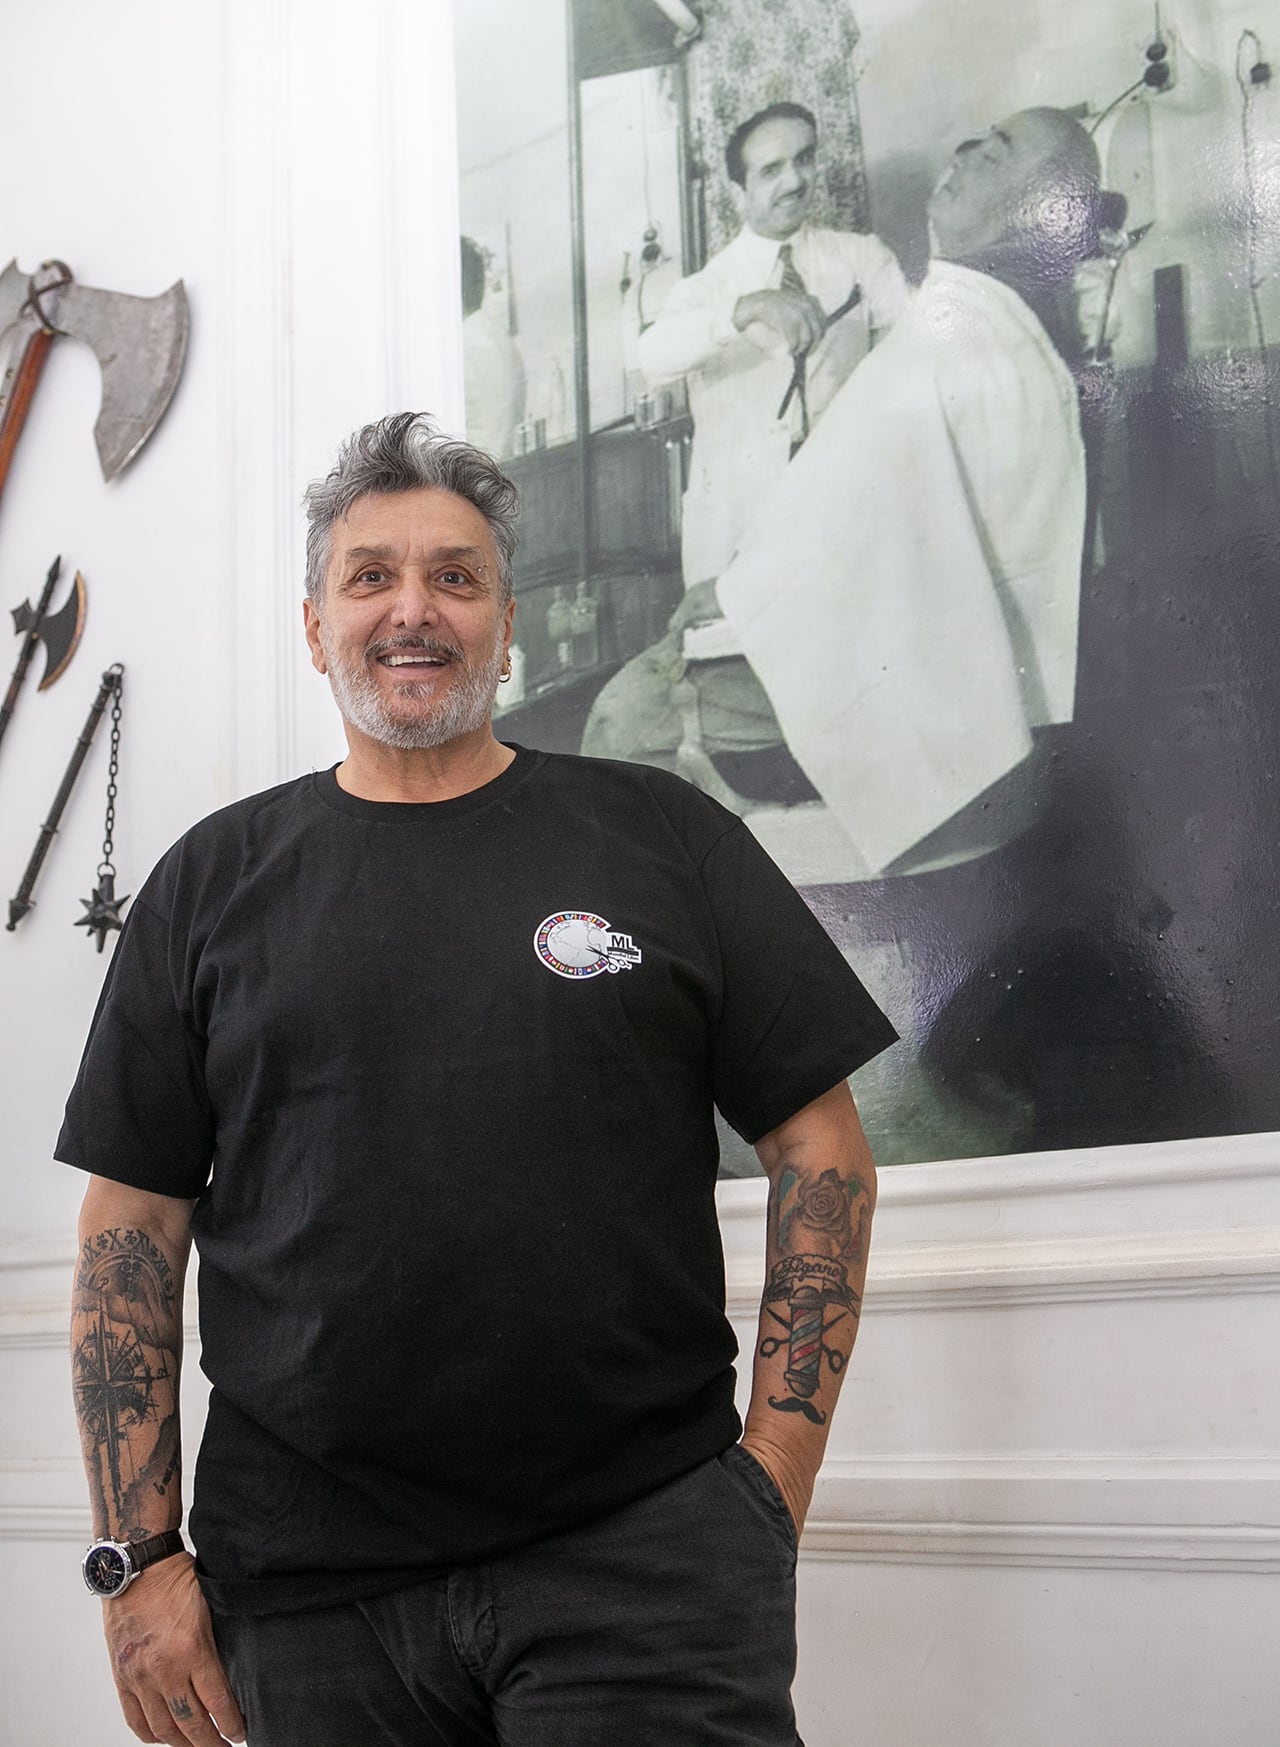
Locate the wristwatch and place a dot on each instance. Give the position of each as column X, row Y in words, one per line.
column 109, row 1567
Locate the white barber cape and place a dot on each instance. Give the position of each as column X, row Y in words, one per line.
column 909, row 593
column 736, row 381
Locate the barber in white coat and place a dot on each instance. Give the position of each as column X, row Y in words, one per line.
column 731, row 330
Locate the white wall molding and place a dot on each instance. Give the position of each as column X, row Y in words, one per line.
column 48, row 1522
column 1146, row 1169
column 1043, row 1228
column 1205, row 1514
column 925, row 1277
column 25, row 1254
column 1072, row 1270
column 1093, row 1546
column 1086, row 1546
column 1100, row 1511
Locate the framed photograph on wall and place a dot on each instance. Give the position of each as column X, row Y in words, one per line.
column 892, row 394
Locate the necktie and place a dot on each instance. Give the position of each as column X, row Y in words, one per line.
column 791, row 280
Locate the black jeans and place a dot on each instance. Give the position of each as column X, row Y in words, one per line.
column 670, row 1623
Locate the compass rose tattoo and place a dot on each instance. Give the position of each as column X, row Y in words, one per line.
column 818, row 1231
column 125, row 1357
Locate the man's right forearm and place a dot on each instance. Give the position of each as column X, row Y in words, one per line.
column 126, row 1353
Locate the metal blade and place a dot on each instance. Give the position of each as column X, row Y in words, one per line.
column 13, row 294
column 60, row 633
column 141, row 343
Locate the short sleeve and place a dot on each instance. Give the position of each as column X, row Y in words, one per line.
column 138, row 1113
column 794, row 1019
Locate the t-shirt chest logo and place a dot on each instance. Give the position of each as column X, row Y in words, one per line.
column 576, row 943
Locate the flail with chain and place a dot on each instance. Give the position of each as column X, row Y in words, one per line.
column 103, row 907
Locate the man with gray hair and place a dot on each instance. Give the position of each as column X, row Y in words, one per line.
column 422, row 1051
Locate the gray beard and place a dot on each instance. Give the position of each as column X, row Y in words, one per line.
column 466, row 706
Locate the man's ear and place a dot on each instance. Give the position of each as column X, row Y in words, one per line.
column 311, row 625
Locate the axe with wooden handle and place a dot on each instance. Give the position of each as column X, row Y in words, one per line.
column 140, row 344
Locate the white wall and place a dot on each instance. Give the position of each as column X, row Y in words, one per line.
column 1050, row 1510
column 294, row 163
column 1052, row 1493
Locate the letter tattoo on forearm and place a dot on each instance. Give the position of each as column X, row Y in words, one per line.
column 813, row 1224
column 126, row 1344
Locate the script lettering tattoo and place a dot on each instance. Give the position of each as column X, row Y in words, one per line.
column 126, row 1336
column 819, row 1225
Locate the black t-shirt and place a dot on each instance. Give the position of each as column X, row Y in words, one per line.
column 440, row 1078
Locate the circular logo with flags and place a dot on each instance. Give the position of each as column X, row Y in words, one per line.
column 578, row 943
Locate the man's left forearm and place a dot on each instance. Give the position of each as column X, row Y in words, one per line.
column 822, row 1192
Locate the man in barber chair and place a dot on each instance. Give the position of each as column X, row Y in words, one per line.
column 901, row 613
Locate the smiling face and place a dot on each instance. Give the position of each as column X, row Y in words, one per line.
column 413, row 630
column 780, row 176
column 1029, row 185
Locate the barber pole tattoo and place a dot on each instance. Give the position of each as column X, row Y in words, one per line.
column 804, row 1359
column 809, row 1286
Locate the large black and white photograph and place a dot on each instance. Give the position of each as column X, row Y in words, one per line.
column 888, row 391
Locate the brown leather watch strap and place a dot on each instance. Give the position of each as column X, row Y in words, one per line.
column 155, row 1548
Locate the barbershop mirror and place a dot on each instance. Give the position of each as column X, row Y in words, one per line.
column 632, row 228
column 513, row 140
column 574, row 226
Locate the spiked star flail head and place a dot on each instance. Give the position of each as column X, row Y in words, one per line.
column 103, row 909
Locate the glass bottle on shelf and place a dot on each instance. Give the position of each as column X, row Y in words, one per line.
column 584, row 619
column 560, row 628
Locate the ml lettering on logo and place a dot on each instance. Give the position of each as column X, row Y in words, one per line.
column 578, row 943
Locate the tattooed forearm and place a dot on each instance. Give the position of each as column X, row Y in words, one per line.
column 818, row 1224
column 126, row 1343
column 822, row 1187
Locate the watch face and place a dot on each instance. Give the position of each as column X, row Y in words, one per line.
column 106, row 1569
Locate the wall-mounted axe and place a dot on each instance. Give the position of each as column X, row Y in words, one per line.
column 140, row 344
column 59, row 632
